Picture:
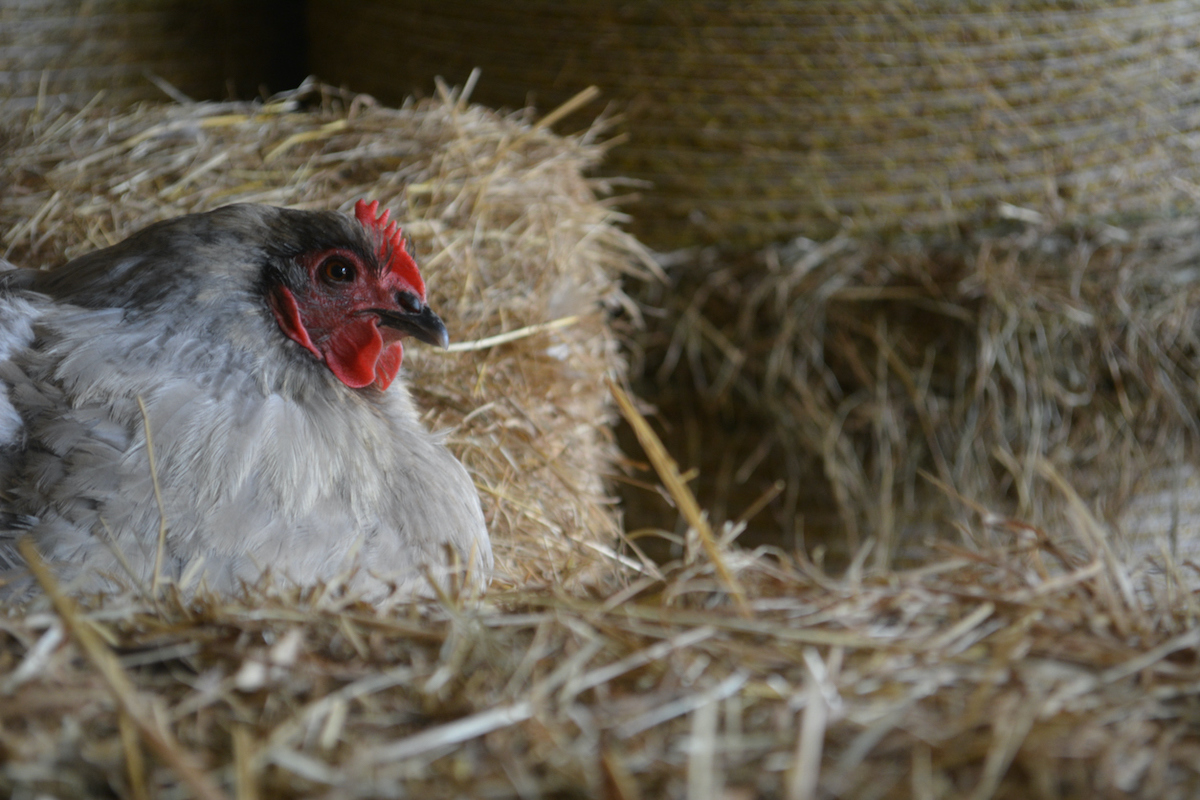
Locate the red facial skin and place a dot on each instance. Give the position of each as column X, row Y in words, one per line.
column 331, row 317
column 331, row 320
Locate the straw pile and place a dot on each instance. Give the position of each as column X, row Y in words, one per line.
column 1008, row 671
column 763, row 119
column 890, row 376
column 509, row 233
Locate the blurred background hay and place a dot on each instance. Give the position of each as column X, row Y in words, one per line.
column 509, row 232
column 883, row 380
column 757, row 121
column 68, row 50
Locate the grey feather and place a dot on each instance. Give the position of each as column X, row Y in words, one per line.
column 265, row 459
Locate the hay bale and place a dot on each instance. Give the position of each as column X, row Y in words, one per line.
column 55, row 51
column 1001, row 362
column 760, row 120
column 509, row 231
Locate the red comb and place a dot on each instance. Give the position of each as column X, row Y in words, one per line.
column 390, row 246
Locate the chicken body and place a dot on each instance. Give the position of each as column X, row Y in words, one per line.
column 264, row 375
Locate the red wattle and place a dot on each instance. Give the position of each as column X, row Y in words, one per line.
column 352, row 351
column 388, row 365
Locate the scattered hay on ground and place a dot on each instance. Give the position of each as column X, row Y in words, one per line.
column 509, row 232
column 1013, row 669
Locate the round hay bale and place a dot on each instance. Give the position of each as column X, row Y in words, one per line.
column 760, row 120
column 70, row 50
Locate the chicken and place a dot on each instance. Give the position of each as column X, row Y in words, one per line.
column 262, row 343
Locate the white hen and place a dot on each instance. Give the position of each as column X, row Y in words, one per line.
column 265, row 344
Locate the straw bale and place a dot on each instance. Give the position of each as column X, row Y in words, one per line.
column 881, row 378
column 509, row 232
column 759, row 120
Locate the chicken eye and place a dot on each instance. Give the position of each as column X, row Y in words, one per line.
column 335, row 270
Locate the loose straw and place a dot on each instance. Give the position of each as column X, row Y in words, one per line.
column 135, row 707
column 668, row 471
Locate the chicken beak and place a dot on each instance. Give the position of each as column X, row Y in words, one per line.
column 423, row 325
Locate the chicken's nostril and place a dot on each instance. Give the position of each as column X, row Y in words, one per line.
column 409, row 302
